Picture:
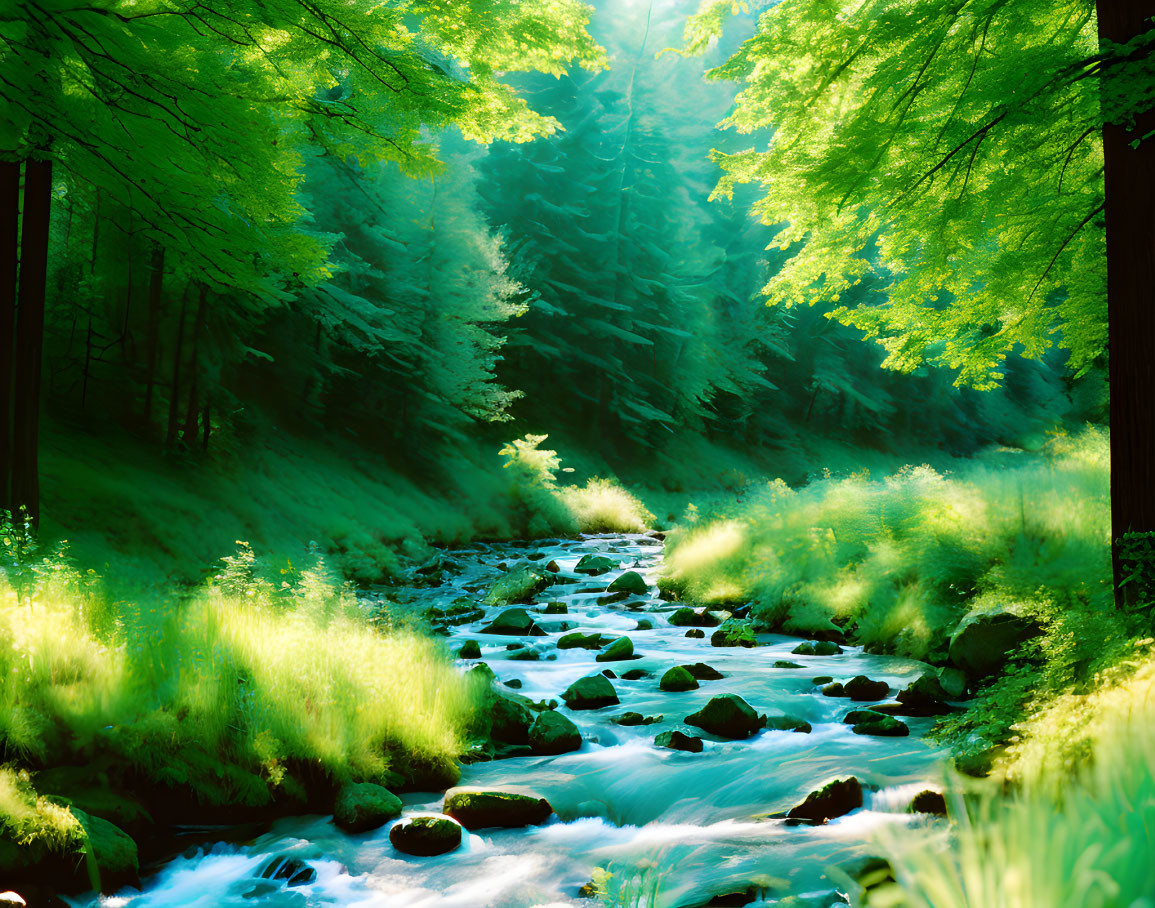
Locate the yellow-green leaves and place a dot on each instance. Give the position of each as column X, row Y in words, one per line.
column 950, row 149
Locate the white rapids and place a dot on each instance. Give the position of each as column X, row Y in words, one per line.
column 691, row 825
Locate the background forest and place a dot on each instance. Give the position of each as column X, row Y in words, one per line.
column 342, row 288
column 580, row 286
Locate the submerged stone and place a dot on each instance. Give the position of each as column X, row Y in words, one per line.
column 470, row 649
column 861, row 688
column 817, row 648
column 676, row 740
column 834, row 799
column 630, row 582
column 619, row 650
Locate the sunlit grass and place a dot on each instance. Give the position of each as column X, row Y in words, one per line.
column 231, row 691
column 1078, row 832
column 900, row 559
column 603, row 506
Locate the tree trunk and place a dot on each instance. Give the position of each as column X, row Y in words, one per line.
column 190, row 416
column 152, row 340
column 9, row 258
column 1130, row 213
column 30, row 337
column 174, row 386
column 208, row 423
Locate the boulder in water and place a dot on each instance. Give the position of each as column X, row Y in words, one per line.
column 591, row 692
column 619, row 650
column 645, row 624
column 513, row 622
column 481, row 809
column 552, row 733
column 703, row 672
column 676, row 740
column 578, row 640
column 788, row 723
column 883, row 727
column 728, row 716
column 687, row 617
column 470, row 649
column 834, row 689
column 782, row 663
column 510, row 721
column 817, row 648
column 677, row 679
column 862, row 689
column 555, row 608
column 425, row 836
column 293, row 871
column 696, row 632
column 594, row 565
column 635, row 674
column 834, row 799
column 928, row 801
column 518, row 585
column 361, row 806
column 630, row 582
column 631, row 719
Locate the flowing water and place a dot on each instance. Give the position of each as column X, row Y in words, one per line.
column 693, row 824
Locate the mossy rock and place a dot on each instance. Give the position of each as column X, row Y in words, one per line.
column 594, row 565
column 591, row 692
column 519, row 585
column 618, row 651
column 645, row 624
column 630, row 582
column 728, row 716
column 884, row 727
column 676, row 740
column 632, row 719
column 513, row 622
column 552, row 733
column 484, row 809
column 113, row 850
column 734, row 633
column 788, row 723
column 555, row 608
column 677, row 679
column 510, row 721
column 928, row 801
column 578, row 640
column 834, row 689
column 361, row 806
column 687, row 617
column 782, row 663
column 817, row 648
column 834, row 799
column 703, row 672
column 863, row 689
column 858, row 716
column 425, row 836
column 696, row 633
column 983, row 640
column 470, row 649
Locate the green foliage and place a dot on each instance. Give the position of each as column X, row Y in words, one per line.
column 1063, row 838
column 898, row 561
column 603, row 506
column 227, row 691
column 1136, row 555
column 949, row 153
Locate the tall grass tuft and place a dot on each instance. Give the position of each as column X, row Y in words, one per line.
column 231, row 691
column 1081, row 837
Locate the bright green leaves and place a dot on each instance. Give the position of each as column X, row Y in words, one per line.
column 951, row 149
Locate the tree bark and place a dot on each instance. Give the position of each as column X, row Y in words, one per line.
column 9, row 266
column 1130, row 214
column 152, row 341
column 191, row 413
column 174, row 385
column 30, row 337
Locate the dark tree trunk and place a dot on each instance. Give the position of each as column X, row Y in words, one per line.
column 30, row 337
column 174, row 387
column 87, row 363
column 1130, row 212
column 152, row 340
column 190, row 416
column 9, row 258
column 208, row 423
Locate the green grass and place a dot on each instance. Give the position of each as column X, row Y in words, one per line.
column 898, row 560
column 235, row 691
column 1074, row 833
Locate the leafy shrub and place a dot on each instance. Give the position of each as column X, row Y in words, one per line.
column 603, row 506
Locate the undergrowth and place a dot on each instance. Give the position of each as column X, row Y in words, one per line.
column 234, row 692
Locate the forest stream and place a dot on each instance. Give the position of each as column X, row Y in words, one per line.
column 698, row 824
